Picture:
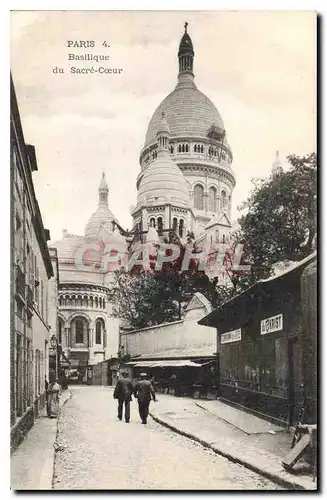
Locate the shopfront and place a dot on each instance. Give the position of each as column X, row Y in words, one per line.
column 260, row 346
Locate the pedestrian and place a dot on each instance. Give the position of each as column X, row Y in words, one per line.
column 123, row 392
column 53, row 398
column 143, row 392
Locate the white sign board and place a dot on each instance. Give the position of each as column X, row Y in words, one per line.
column 273, row 324
column 233, row 336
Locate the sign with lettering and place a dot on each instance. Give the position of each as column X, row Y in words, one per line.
column 273, row 324
column 233, row 336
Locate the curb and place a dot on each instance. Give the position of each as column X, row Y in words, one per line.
column 55, row 443
column 292, row 485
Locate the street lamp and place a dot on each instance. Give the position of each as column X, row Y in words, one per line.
column 53, row 341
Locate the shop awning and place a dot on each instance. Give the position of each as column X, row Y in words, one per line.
column 165, row 364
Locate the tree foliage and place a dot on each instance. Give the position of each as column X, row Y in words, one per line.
column 280, row 222
column 146, row 298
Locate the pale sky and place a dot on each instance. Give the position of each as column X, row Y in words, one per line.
column 258, row 68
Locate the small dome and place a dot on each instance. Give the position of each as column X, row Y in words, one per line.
column 163, row 181
column 102, row 222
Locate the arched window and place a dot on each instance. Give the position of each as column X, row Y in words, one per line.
column 60, row 300
column 202, row 149
column 181, row 228
column 73, row 301
column 212, row 199
column 198, row 197
column 223, row 200
column 79, row 301
column 160, row 226
column 175, row 224
column 79, row 330
column 183, row 148
column 96, row 301
column 104, row 303
column 152, row 222
column 179, row 148
column 91, row 301
column 186, row 148
column 171, row 150
column 195, row 148
column 67, row 300
column 99, row 329
column 100, row 303
column 85, row 301
column 210, row 151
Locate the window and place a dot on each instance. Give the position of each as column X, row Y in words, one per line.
column 152, row 222
column 96, row 301
column 160, row 226
column 202, row 149
column 171, row 150
column 181, row 228
column 99, row 328
column 223, row 200
column 85, row 301
column 104, row 303
column 212, row 199
column 198, row 197
column 79, row 330
column 175, row 224
column 179, row 148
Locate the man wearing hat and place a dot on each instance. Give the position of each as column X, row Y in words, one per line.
column 123, row 392
column 143, row 392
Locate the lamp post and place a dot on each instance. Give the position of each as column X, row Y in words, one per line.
column 54, row 346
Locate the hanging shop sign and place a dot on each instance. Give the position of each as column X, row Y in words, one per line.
column 273, row 324
column 233, row 336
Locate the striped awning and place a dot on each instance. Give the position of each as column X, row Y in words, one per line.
column 164, row 364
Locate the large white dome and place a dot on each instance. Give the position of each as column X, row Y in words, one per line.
column 188, row 112
column 163, row 181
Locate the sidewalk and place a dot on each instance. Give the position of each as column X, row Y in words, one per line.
column 233, row 433
column 31, row 465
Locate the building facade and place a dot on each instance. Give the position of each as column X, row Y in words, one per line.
column 88, row 333
column 264, row 344
column 193, row 137
column 31, row 270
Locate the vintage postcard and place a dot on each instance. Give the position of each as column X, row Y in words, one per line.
column 163, row 250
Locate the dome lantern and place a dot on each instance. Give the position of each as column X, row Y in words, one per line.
column 103, row 191
column 277, row 167
column 186, row 54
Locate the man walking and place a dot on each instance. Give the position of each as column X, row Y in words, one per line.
column 123, row 392
column 143, row 392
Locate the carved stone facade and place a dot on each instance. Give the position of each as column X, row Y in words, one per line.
column 198, row 145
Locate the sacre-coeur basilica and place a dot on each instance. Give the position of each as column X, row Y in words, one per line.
column 185, row 184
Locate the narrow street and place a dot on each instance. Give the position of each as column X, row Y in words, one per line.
column 97, row 451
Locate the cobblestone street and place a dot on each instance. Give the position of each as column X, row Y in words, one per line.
column 97, row 451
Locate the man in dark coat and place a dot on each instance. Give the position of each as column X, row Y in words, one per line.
column 144, row 392
column 123, row 392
